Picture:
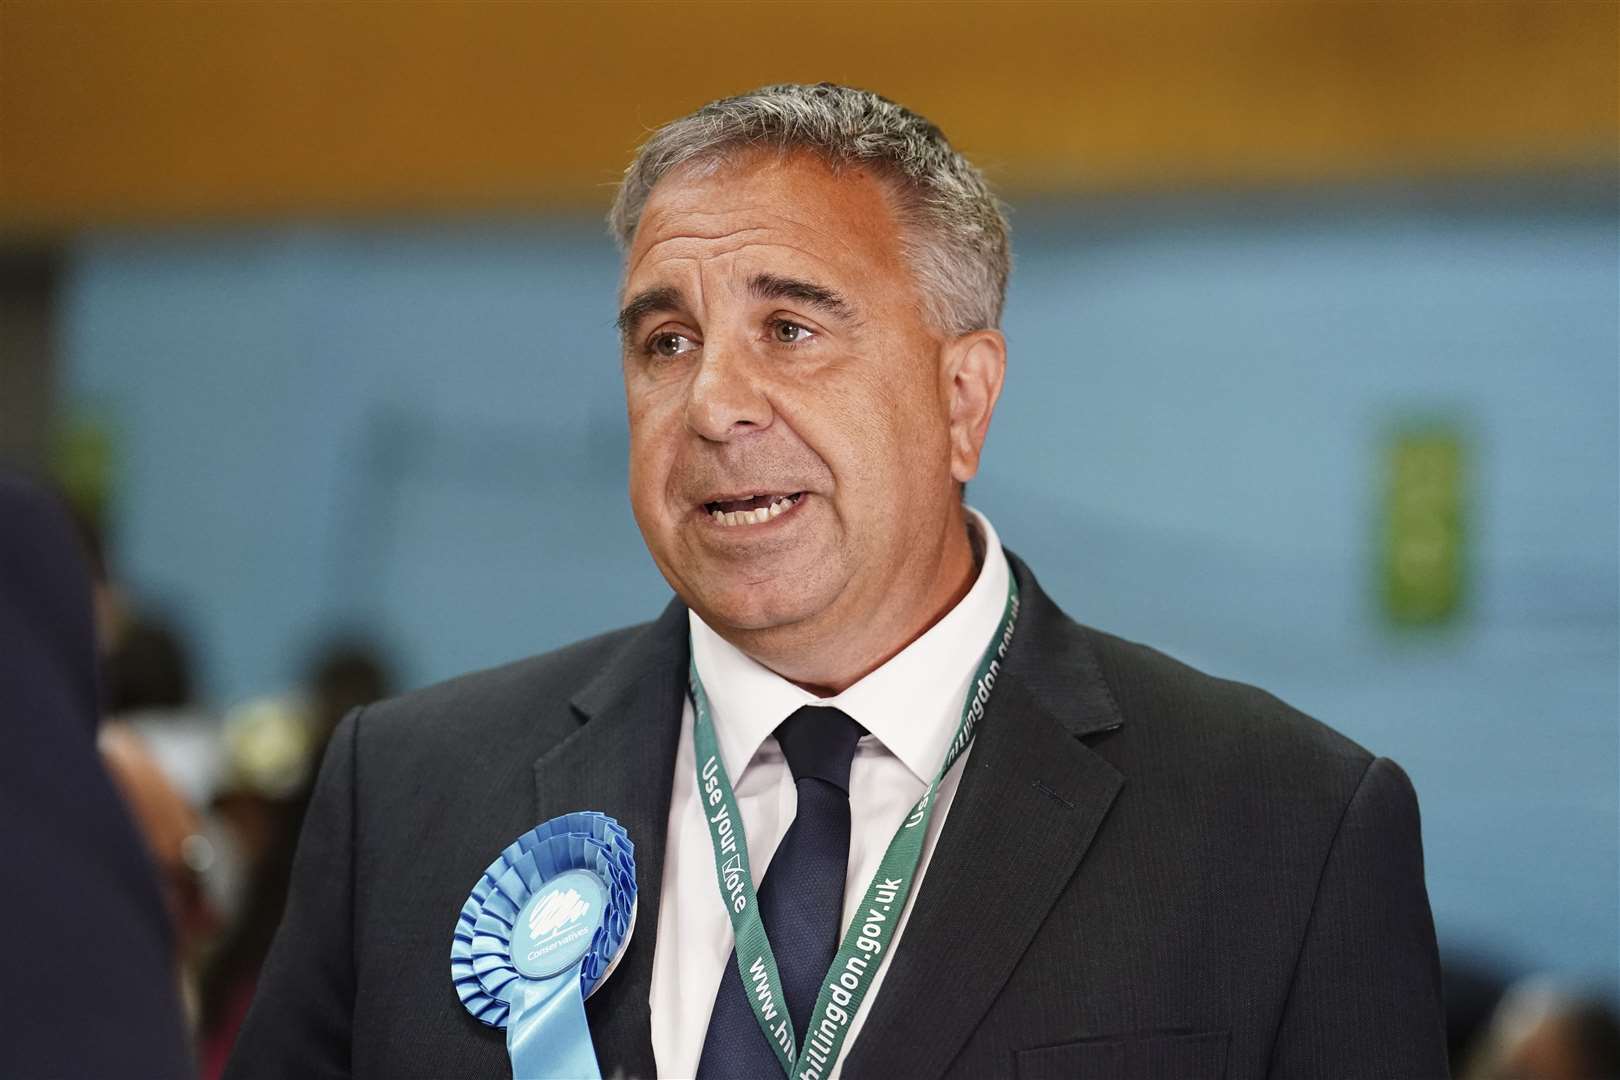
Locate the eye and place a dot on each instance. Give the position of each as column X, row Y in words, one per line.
column 670, row 343
column 785, row 332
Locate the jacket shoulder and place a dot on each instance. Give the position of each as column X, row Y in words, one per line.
column 526, row 700
column 1176, row 717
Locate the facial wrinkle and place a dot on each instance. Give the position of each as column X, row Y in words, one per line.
column 759, row 462
column 775, row 220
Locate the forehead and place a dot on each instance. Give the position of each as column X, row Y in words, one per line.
column 769, row 210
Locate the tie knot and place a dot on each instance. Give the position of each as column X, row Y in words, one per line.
column 819, row 743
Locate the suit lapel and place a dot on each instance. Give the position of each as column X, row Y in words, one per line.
column 621, row 763
column 1030, row 800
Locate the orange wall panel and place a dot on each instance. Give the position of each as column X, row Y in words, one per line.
column 142, row 110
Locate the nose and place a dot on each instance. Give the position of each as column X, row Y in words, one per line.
column 724, row 400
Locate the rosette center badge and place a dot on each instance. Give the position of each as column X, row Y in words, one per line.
column 558, row 923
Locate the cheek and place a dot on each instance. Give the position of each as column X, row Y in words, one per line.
column 863, row 435
column 897, row 422
column 650, row 460
column 874, row 424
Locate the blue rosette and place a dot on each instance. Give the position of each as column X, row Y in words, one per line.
column 541, row 930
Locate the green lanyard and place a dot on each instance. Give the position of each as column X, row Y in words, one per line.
column 860, row 955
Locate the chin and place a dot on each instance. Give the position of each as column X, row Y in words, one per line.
column 760, row 606
column 750, row 584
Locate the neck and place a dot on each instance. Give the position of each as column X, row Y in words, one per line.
column 828, row 659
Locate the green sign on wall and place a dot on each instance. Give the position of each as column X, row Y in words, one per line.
column 1424, row 525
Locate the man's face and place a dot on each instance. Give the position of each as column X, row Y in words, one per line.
column 790, row 444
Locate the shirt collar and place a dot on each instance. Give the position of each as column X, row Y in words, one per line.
column 912, row 704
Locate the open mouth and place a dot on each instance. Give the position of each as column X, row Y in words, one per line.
column 753, row 510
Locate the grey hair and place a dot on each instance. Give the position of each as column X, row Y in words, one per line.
column 953, row 231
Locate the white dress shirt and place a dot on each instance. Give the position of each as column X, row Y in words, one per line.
column 911, row 706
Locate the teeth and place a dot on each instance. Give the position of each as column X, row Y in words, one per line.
column 752, row 517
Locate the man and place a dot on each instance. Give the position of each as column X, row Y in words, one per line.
column 1131, row 870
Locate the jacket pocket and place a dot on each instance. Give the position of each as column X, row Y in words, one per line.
column 1196, row 1056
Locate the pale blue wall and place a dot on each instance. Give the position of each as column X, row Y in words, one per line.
column 420, row 431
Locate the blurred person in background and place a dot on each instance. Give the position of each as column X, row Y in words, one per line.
column 1541, row 1031
column 88, row 982
column 173, row 831
column 164, row 750
column 218, row 799
column 149, row 687
column 272, row 748
column 1474, row 987
column 344, row 675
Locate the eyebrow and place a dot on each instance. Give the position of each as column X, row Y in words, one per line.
column 774, row 287
column 667, row 298
column 646, row 302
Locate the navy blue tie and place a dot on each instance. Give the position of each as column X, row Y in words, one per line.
column 801, row 900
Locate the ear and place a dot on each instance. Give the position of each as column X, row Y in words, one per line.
column 975, row 365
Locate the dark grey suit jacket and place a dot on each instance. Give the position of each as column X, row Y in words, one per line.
column 1146, row 872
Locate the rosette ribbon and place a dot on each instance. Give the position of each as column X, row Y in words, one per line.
column 541, row 930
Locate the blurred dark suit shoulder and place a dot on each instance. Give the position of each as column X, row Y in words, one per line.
column 88, row 984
